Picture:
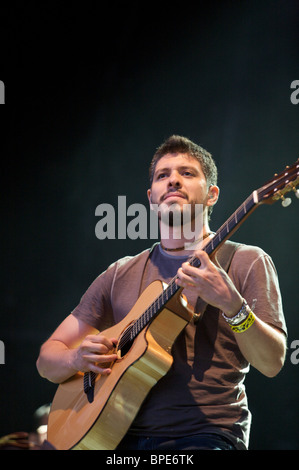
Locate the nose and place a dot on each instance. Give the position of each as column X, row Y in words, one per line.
column 174, row 180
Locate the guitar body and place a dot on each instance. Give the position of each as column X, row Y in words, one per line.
column 76, row 424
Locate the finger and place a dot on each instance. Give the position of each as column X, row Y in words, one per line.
column 98, row 345
column 99, row 370
column 101, row 339
column 99, row 364
column 187, row 269
column 100, row 358
column 203, row 257
column 184, row 279
column 100, row 349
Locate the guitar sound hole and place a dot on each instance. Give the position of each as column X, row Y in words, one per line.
column 125, row 342
column 125, row 349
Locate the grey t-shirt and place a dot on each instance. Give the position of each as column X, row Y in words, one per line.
column 204, row 389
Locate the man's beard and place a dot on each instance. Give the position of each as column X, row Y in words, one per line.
column 171, row 215
column 188, row 218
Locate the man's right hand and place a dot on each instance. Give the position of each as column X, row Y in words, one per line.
column 96, row 353
column 75, row 346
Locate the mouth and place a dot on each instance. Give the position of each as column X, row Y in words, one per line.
column 173, row 195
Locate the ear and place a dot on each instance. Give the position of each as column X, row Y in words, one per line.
column 149, row 196
column 213, row 195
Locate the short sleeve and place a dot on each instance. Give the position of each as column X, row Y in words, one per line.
column 254, row 274
column 95, row 305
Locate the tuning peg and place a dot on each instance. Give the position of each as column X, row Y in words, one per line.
column 286, row 201
column 296, row 191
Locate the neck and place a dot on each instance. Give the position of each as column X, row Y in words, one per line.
column 173, row 239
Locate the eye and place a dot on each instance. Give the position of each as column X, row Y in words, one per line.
column 188, row 173
column 160, row 176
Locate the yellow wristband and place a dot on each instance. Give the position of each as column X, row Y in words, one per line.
column 245, row 324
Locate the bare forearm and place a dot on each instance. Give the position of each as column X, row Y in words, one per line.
column 67, row 352
column 263, row 346
column 55, row 361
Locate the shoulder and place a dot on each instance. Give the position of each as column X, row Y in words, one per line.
column 252, row 260
column 128, row 261
column 105, row 281
column 120, row 267
column 251, row 252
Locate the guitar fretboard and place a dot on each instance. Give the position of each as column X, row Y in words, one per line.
column 273, row 190
column 220, row 236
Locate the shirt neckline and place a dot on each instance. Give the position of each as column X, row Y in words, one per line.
column 174, row 257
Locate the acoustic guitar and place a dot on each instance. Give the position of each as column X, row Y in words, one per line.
column 94, row 412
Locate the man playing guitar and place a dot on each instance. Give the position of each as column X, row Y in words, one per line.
column 200, row 403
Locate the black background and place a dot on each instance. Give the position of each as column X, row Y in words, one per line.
column 90, row 93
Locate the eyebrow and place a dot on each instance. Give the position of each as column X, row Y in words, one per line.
column 180, row 168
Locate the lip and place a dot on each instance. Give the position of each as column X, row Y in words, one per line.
column 174, row 194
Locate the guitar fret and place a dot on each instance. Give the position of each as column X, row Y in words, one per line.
column 222, row 234
column 166, row 294
column 171, row 286
column 231, row 224
column 135, row 329
column 146, row 316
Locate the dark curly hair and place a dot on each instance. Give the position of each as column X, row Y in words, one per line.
column 180, row 144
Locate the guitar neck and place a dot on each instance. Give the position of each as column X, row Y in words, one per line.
column 229, row 227
column 272, row 191
column 222, row 234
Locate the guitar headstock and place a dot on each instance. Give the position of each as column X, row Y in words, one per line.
column 282, row 183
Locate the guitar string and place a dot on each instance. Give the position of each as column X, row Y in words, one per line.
column 242, row 210
column 158, row 303
column 227, row 226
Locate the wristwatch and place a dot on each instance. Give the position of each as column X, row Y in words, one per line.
column 241, row 315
